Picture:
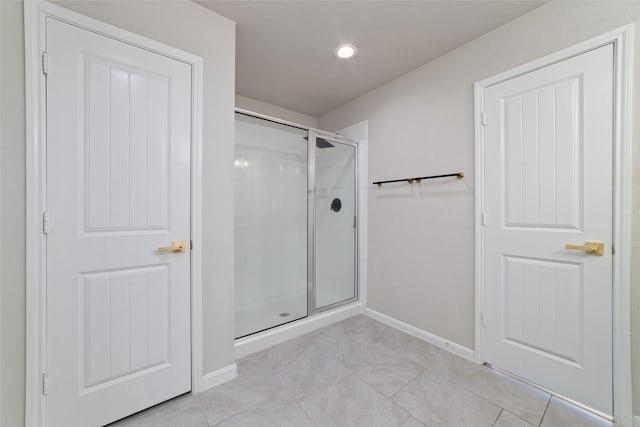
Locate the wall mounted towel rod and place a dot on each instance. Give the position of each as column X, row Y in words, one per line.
column 459, row 175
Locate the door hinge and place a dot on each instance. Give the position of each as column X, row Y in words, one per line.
column 45, row 222
column 191, row 244
column 483, row 118
column 482, row 322
column 613, row 249
column 483, row 218
column 46, row 386
column 45, row 63
column 355, row 223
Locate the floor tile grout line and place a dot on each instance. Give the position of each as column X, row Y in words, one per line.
column 252, row 406
column 498, row 417
column 518, row 416
column 375, row 390
column 528, row 422
column 407, row 384
column 361, row 378
column 307, row 414
column 546, row 408
column 466, row 386
column 249, row 408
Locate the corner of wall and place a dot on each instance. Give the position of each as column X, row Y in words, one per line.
column 219, row 376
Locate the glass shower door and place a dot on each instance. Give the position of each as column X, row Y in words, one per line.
column 335, row 218
column 270, row 224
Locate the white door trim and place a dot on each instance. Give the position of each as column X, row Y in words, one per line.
column 35, row 13
column 622, row 39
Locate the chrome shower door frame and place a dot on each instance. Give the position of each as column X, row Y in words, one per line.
column 312, row 225
column 311, row 209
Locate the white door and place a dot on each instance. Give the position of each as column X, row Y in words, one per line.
column 118, row 188
column 548, row 183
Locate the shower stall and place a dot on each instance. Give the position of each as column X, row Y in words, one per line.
column 295, row 222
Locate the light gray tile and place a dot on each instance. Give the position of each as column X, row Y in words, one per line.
column 352, row 402
column 561, row 414
column 365, row 332
column 226, row 400
column 382, row 356
column 380, row 367
column 310, row 373
column 274, row 412
column 412, row 422
column 521, row 399
column 307, row 378
column 437, row 401
column 182, row 411
column 507, row 419
column 448, row 364
column 298, row 368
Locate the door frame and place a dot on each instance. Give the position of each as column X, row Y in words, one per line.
column 35, row 14
column 622, row 40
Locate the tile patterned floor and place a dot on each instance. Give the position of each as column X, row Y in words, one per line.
column 360, row 372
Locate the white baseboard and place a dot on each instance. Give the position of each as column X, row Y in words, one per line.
column 636, row 421
column 263, row 340
column 436, row 340
column 219, row 376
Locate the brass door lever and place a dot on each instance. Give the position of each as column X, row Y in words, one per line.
column 176, row 246
column 592, row 248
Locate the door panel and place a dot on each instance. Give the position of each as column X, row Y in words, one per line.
column 542, row 156
column 540, row 314
column 548, row 183
column 118, row 188
column 125, row 157
column 335, row 222
column 270, row 224
column 122, row 301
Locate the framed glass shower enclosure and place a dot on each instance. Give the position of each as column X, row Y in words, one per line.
column 295, row 222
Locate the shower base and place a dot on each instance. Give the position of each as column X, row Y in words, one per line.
column 260, row 316
column 257, row 317
column 260, row 341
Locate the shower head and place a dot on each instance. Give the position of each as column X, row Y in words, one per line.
column 320, row 142
column 323, row 143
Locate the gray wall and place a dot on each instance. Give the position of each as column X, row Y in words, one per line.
column 12, row 225
column 184, row 25
column 421, row 241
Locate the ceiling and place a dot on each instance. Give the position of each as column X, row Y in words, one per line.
column 285, row 49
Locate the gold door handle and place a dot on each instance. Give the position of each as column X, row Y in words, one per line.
column 176, row 246
column 593, row 248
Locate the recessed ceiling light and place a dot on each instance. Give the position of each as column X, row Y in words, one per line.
column 345, row 51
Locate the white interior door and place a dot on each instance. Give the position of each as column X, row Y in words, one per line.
column 118, row 188
column 548, row 183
